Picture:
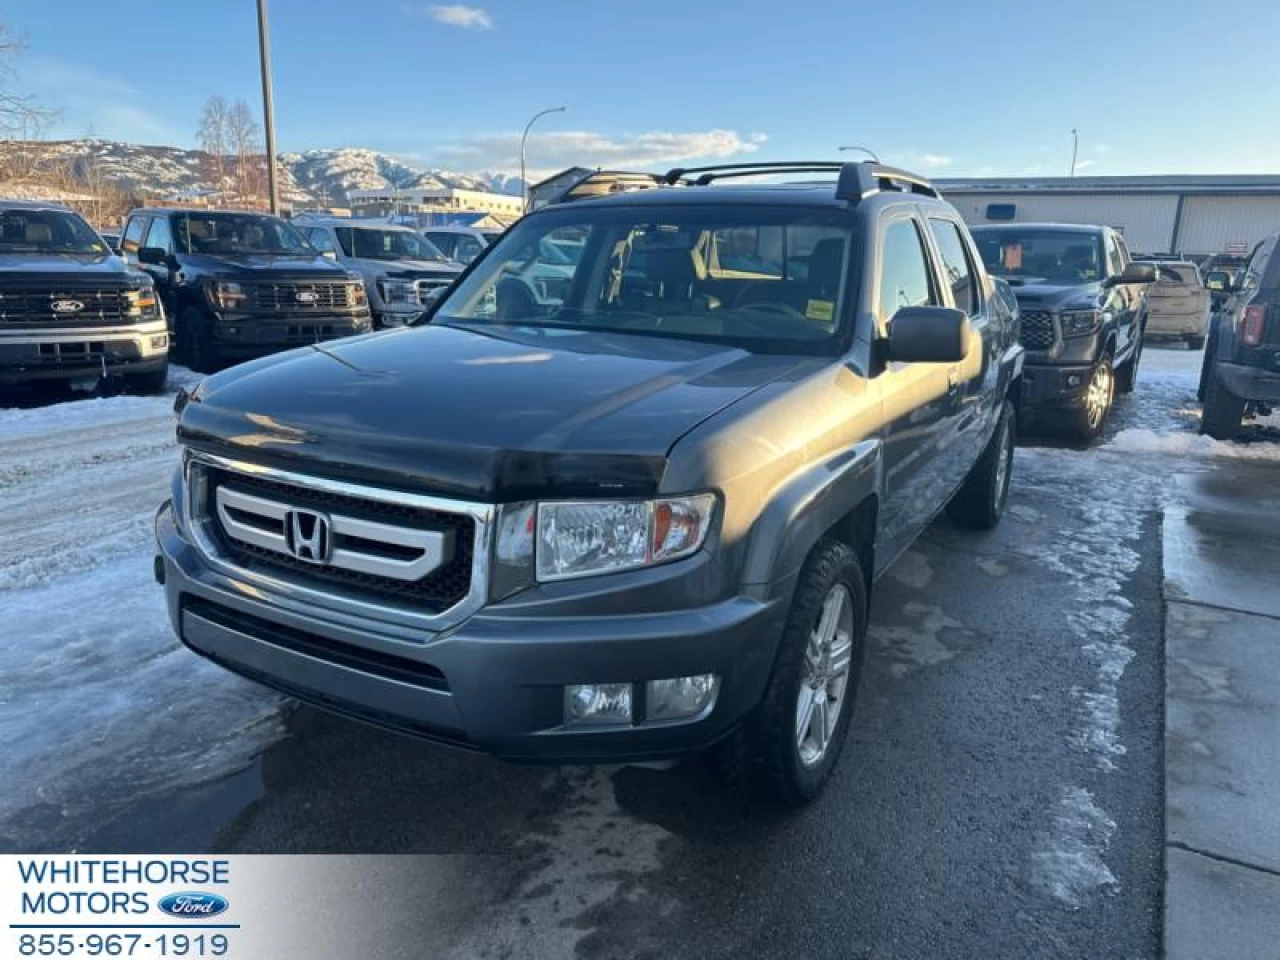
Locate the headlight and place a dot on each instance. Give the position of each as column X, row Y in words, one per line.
column 581, row 539
column 141, row 303
column 1081, row 323
column 358, row 296
column 398, row 294
column 224, row 294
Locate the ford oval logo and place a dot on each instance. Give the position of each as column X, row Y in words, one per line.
column 66, row 306
column 306, row 296
column 193, row 906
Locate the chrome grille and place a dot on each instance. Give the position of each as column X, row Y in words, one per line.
column 1037, row 329
column 304, row 296
column 416, row 557
column 33, row 306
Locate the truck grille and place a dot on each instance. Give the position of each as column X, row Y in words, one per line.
column 1037, row 329
column 33, row 307
column 373, row 548
column 304, row 296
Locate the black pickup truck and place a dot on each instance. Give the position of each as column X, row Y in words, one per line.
column 70, row 310
column 638, row 519
column 240, row 285
column 1082, row 304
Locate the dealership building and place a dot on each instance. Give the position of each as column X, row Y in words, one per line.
column 1196, row 216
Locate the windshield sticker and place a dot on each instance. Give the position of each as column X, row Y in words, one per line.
column 823, row 310
column 1013, row 256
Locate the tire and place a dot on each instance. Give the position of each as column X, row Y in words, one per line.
column 153, row 381
column 979, row 503
column 1127, row 375
column 1087, row 422
column 1205, row 366
column 1195, row 343
column 195, row 345
column 767, row 751
column 1223, row 410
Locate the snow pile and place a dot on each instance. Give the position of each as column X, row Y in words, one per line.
column 1141, row 440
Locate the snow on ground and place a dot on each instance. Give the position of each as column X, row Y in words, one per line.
column 94, row 688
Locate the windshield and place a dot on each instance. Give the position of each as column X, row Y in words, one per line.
column 765, row 278
column 1041, row 256
column 232, row 233
column 47, row 231
column 377, row 244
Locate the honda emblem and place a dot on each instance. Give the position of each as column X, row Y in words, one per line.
column 309, row 536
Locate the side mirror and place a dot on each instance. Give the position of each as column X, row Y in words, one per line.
column 1218, row 281
column 928, row 335
column 1134, row 273
column 328, row 255
column 155, row 256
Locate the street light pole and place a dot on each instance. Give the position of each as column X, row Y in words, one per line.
column 524, row 186
column 268, row 113
column 864, row 150
column 1075, row 147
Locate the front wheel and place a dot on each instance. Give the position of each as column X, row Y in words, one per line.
column 789, row 744
column 979, row 503
column 1087, row 422
column 195, row 340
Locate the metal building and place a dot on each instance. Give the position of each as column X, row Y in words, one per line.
column 1192, row 215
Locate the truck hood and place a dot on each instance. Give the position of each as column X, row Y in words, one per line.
column 82, row 266
column 406, row 268
column 490, row 414
column 1051, row 296
column 232, row 264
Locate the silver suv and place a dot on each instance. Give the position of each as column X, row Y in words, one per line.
column 401, row 269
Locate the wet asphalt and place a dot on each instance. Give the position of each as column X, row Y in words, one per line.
column 1000, row 795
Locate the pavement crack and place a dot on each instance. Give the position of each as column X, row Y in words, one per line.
column 1218, row 606
column 1246, row 864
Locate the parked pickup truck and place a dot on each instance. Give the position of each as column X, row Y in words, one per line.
column 1082, row 307
column 71, row 310
column 635, row 522
column 1241, row 369
column 240, row 285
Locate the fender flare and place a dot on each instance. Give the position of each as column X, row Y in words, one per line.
column 810, row 504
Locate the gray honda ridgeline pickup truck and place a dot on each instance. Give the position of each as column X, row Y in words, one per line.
column 636, row 522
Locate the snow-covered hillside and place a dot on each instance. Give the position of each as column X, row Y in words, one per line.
column 315, row 176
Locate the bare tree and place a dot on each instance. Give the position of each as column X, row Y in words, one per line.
column 214, row 137
column 19, row 114
column 243, row 137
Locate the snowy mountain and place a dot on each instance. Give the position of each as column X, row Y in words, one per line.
column 312, row 177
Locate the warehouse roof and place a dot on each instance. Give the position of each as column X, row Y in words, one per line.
column 1237, row 184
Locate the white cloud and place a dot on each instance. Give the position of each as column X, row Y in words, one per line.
column 552, row 150
column 1085, row 164
column 933, row 161
column 460, row 15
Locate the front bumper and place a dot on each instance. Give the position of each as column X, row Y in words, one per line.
column 80, row 352
column 247, row 335
column 1251, row 383
column 1051, row 385
column 494, row 682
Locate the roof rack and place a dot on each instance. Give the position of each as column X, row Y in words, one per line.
column 603, row 182
column 855, row 182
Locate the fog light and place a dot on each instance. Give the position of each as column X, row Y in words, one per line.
column 603, row 703
column 159, row 342
column 681, row 697
column 1073, row 380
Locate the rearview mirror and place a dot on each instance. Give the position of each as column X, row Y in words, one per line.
column 928, row 335
column 155, row 256
column 1133, row 273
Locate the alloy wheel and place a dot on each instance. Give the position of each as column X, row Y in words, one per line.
column 825, row 678
column 1098, row 398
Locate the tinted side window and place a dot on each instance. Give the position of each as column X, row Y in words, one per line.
column 160, row 235
column 133, row 234
column 467, row 250
column 904, row 270
column 955, row 258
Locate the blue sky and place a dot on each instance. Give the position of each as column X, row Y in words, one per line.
column 955, row 88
